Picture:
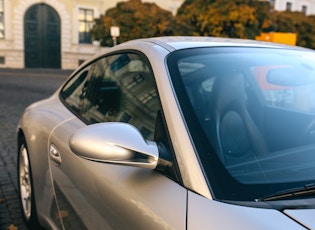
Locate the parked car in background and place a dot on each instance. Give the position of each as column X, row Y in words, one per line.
column 175, row 133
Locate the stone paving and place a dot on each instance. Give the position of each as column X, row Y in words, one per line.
column 18, row 89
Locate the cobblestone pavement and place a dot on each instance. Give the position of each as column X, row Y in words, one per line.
column 18, row 89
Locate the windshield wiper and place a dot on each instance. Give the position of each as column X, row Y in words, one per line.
column 306, row 190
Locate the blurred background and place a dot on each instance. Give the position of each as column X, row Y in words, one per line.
column 62, row 34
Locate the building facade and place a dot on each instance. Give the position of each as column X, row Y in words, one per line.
column 47, row 33
column 52, row 33
column 305, row 6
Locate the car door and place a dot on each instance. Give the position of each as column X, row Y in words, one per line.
column 94, row 195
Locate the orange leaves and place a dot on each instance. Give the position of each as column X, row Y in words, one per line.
column 222, row 18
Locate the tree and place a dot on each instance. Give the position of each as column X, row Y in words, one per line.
column 263, row 14
column 222, row 18
column 294, row 22
column 135, row 20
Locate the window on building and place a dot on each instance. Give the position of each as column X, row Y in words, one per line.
column 289, row 6
column 86, row 21
column 1, row 19
column 304, row 9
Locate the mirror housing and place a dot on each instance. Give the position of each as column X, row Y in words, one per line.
column 116, row 143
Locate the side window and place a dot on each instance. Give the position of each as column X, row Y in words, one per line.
column 74, row 92
column 118, row 88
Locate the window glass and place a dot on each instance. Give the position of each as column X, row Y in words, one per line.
column 289, row 6
column 304, row 9
column 118, row 88
column 1, row 20
column 74, row 91
column 295, row 95
column 86, row 21
column 251, row 115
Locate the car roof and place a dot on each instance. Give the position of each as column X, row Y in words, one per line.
column 184, row 42
column 172, row 43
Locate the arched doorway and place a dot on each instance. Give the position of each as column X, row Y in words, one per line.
column 42, row 37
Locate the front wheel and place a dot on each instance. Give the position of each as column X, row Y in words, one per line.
column 27, row 199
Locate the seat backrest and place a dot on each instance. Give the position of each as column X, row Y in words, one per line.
column 238, row 137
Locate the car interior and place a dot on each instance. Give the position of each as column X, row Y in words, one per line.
column 234, row 111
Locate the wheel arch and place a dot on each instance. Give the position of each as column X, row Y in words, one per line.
column 42, row 186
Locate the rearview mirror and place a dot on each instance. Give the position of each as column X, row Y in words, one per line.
column 291, row 76
column 116, row 143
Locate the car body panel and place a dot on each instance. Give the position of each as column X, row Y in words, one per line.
column 37, row 138
column 219, row 215
column 81, row 184
column 176, row 43
column 72, row 192
column 176, row 125
column 303, row 216
column 187, row 160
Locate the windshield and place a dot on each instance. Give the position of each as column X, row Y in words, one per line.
column 251, row 115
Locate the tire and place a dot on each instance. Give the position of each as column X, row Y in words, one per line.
column 26, row 191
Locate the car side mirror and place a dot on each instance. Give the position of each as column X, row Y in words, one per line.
column 116, row 143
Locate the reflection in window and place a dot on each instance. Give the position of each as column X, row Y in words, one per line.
column 148, row 96
column 117, row 88
column 86, row 21
column 145, row 132
column 74, row 92
column 1, row 20
column 299, row 96
column 125, row 117
column 135, row 81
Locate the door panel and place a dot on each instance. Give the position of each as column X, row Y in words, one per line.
column 42, row 37
column 105, row 196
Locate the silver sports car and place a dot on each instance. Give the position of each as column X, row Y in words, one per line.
column 177, row 133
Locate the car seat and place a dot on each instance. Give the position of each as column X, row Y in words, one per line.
column 237, row 137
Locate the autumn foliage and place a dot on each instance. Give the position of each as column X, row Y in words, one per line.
column 135, row 20
column 220, row 18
